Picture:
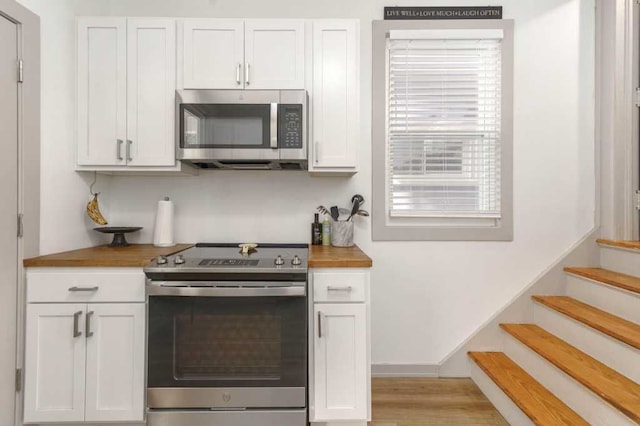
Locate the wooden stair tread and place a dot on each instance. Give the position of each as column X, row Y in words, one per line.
column 535, row 401
column 616, row 279
column 616, row 389
column 611, row 325
column 634, row 245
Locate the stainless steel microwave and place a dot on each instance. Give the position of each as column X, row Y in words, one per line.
column 242, row 129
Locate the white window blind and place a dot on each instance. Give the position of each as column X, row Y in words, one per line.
column 443, row 129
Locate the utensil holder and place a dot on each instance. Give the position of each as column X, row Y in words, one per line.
column 341, row 233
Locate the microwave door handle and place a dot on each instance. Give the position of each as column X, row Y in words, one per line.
column 274, row 125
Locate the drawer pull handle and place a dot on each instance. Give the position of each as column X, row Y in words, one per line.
column 320, row 324
column 76, row 330
column 87, row 326
column 76, row 288
column 348, row 288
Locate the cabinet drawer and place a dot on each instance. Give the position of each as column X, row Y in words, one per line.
column 339, row 286
column 71, row 285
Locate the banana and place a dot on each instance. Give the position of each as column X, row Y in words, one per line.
column 93, row 210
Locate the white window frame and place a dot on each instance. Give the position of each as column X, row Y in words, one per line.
column 452, row 227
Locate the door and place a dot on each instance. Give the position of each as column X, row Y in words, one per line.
column 54, row 363
column 102, row 91
column 228, row 342
column 335, row 95
column 213, row 53
column 115, row 356
column 8, row 214
column 274, row 54
column 340, row 362
column 151, row 92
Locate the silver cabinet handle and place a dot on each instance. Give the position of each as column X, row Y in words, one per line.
column 348, row 288
column 76, row 318
column 274, row 126
column 247, row 66
column 76, row 288
column 129, row 143
column 87, row 325
column 316, row 151
column 320, row 325
column 238, row 71
column 119, row 149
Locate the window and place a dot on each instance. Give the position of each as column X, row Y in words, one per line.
column 442, row 130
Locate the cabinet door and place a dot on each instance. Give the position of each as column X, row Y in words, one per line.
column 102, row 91
column 115, row 362
column 274, row 54
column 340, row 362
column 54, row 363
column 213, row 53
column 336, row 100
column 151, row 88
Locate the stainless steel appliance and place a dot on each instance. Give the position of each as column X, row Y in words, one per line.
column 227, row 336
column 242, row 129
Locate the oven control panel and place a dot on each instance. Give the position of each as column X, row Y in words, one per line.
column 290, row 126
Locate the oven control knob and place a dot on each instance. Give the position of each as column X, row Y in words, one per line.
column 179, row 260
column 161, row 260
column 296, row 261
column 279, row 261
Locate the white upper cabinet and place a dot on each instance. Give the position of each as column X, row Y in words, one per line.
column 274, row 54
column 151, row 87
column 242, row 54
column 126, row 94
column 54, row 363
column 102, row 91
column 336, row 99
column 213, row 53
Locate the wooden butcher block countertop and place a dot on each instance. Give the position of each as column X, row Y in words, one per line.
column 140, row 254
column 132, row 255
column 338, row 257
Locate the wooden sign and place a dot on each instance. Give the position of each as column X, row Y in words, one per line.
column 409, row 12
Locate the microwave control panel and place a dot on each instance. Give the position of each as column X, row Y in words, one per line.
column 290, row 126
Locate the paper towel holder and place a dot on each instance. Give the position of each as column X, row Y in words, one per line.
column 163, row 232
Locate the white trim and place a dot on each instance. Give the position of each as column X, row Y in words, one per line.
column 404, row 370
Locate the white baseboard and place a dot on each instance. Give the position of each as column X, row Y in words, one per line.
column 404, row 370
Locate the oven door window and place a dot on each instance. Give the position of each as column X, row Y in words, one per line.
column 225, row 126
column 227, row 342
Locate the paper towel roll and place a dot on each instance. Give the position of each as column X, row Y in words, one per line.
column 163, row 233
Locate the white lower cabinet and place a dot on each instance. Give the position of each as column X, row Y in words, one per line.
column 54, row 364
column 340, row 372
column 84, row 362
column 115, row 357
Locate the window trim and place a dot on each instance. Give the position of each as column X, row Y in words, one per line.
column 454, row 229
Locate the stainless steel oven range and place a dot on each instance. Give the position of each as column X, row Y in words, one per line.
column 227, row 336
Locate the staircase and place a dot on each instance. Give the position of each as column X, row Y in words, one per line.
column 579, row 362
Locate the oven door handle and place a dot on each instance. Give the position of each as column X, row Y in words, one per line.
column 159, row 290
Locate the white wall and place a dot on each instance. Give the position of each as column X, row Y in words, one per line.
column 427, row 297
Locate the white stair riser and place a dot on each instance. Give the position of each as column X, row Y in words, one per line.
column 584, row 402
column 620, row 260
column 617, row 355
column 498, row 398
column 614, row 300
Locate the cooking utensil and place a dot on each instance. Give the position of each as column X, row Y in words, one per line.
column 322, row 209
column 335, row 213
column 363, row 213
column 357, row 201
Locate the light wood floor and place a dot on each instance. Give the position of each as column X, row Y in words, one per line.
column 422, row 402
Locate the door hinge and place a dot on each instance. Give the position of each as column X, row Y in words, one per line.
column 20, row 225
column 20, row 71
column 637, row 199
column 18, row 379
